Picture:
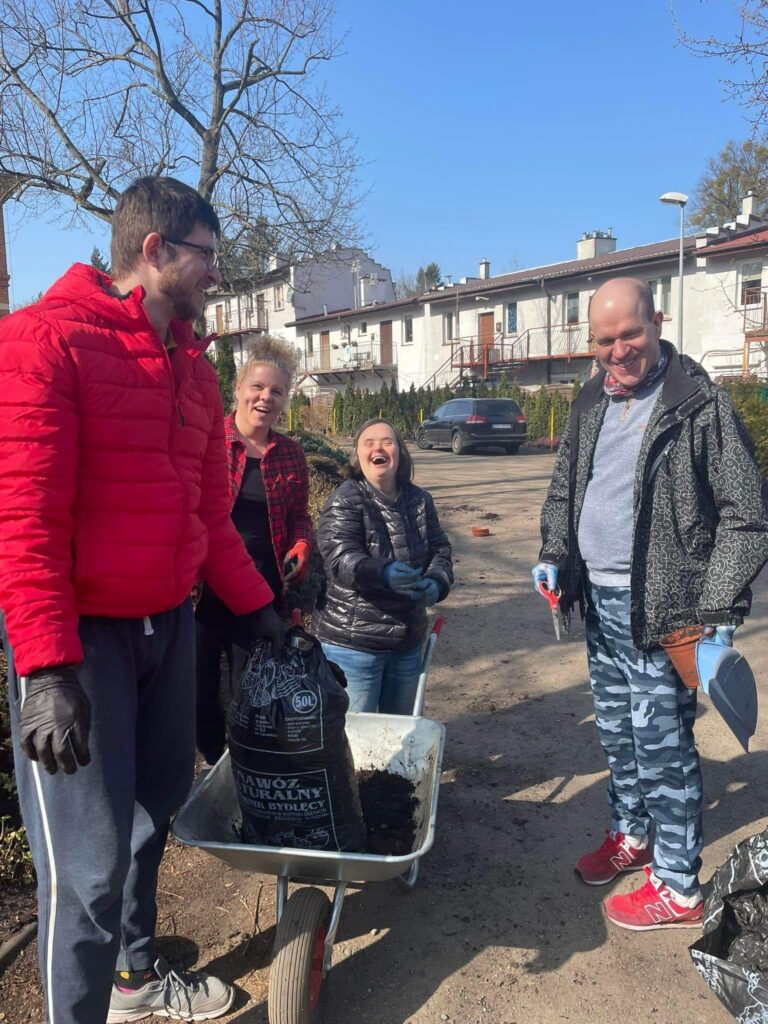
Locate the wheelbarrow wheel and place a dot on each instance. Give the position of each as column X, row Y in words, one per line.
column 296, row 976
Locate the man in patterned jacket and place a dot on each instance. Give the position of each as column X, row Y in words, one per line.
column 656, row 518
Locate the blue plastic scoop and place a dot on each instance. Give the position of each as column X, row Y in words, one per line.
column 727, row 679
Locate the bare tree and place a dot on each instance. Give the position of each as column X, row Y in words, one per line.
column 747, row 49
column 220, row 93
column 407, row 285
column 739, row 169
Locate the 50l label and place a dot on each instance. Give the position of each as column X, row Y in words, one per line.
column 304, row 702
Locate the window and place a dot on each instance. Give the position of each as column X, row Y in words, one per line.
column 512, row 318
column 310, row 345
column 461, row 407
column 751, row 282
column 448, row 327
column 278, row 296
column 346, row 332
column 408, row 330
column 572, row 308
column 363, row 328
column 664, row 301
column 661, row 289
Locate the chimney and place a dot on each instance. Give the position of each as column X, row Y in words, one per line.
column 748, row 205
column 595, row 243
column 275, row 260
column 5, row 304
column 485, row 270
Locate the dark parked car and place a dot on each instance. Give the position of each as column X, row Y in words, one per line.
column 466, row 423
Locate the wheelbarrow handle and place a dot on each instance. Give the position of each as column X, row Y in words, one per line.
column 418, row 703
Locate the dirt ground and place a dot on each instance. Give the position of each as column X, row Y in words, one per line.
column 499, row 929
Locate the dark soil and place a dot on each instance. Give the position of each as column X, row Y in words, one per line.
column 388, row 807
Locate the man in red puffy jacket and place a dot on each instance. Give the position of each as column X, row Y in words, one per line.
column 114, row 499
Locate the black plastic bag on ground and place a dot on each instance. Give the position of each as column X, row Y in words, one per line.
column 732, row 955
column 293, row 769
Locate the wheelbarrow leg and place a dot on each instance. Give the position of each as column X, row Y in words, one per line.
column 333, row 924
column 409, row 881
column 282, row 894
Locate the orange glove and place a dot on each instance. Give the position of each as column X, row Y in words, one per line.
column 296, row 563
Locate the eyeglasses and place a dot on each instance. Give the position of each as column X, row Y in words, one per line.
column 211, row 256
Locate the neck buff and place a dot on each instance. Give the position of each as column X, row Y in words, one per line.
column 612, row 387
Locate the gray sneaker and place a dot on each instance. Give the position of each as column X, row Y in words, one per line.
column 180, row 995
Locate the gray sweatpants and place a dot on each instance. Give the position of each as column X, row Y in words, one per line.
column 97, row 836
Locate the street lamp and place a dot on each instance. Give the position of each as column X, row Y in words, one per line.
column 678, row 199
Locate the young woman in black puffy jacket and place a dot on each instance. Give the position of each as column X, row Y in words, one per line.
column 386, row 560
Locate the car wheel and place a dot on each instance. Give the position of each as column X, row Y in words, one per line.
column 513, row 449
column 422, row 442
column 458, row 446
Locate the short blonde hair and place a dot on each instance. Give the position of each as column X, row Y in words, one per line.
column 269, row 351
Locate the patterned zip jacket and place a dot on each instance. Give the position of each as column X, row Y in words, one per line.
column 700, row 506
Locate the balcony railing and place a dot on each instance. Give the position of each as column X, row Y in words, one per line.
column 254, row 319
column 348, row 358
column 558, row 341
column 755, row 311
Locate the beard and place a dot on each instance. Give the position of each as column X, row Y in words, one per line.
column 185, row 299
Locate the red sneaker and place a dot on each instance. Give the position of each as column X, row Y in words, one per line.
column 611, row 859
column 652, row 906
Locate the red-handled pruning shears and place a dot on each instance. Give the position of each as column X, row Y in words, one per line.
column 553, row 600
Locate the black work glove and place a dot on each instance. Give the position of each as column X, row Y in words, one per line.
column 55, row 720
column 266, row 624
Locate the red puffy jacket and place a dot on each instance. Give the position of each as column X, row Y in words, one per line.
column 114, row 491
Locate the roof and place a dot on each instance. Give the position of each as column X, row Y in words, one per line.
column 571, row 268
column 621, row 259
column 360, row 311
column 743, row 242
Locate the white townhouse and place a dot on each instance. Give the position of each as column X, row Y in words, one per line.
column 339, row 279
column 532, row 324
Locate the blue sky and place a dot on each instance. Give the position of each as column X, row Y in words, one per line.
column 502, row 130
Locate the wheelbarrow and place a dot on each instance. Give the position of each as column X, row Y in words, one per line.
column 307, row 921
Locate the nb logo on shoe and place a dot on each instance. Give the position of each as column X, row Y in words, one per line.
column 621, row 859
column 659, row 912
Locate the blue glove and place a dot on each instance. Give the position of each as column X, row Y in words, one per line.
column 426, row 590
column 724, row 635
column 400, row 577
column 544, row 572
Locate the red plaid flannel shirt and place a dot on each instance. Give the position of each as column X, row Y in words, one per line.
column 286, row 482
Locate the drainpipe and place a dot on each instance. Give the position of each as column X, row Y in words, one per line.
column 5, row 299
column 549, row 330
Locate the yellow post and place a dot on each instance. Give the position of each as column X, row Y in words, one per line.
column 421, row 415
column 551, row 426
column 290, row 419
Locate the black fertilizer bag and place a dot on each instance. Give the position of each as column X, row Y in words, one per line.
column 291, row 761
column 732, row 955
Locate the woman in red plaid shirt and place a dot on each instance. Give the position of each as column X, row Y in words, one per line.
column 269, row 488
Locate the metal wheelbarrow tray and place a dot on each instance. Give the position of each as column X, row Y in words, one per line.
column 407, row 746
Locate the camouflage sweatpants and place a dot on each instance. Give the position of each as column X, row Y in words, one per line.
column 645, row 719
